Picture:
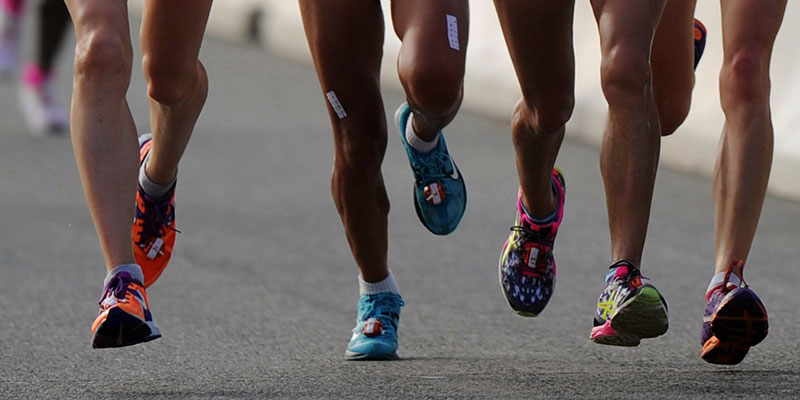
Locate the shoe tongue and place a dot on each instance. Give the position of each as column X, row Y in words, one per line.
column 619, row 269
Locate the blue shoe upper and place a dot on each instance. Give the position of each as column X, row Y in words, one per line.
column 440, row 195
column 375, row 333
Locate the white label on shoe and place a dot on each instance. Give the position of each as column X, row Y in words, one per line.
column 336, row 105
column 534, row 254
column 155, row 248
column 452, row 32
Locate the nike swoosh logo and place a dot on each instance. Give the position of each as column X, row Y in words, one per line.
column 455, row 174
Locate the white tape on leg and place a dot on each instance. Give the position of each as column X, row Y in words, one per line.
column 336, row 105
column 452, row 32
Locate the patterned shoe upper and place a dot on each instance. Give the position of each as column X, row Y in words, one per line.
column 375, row 333
column 153, row 228
column 715, row 298
column 527, row 266
column 126, row 293
column 700, row 33
column 440, row 196
column 623, row 281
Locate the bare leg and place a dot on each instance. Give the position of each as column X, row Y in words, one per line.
column 745, row 155
column 103, row 132
column 172, row 31
column 545, row 65
column 672, row 62
column 631, row 143
column 346, row 41
column 431, row 71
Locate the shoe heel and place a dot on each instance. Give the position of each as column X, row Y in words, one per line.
column 644, row 315
column 742, row 319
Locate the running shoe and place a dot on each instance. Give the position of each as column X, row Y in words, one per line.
column 375, row 334
column 154, row 226
column 700, row 34
column 43, row 114
column 440, row 195
column 10, row 19
column 124, row 317
column 629, row 309
column 527, row 267
column 735, row 320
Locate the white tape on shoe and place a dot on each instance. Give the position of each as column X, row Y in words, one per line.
column 452, row 32
column 336, row 105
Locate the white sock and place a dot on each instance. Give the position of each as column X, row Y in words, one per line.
column 416, row 142
column 134, row 269
column 719, row 277
column 388, row 285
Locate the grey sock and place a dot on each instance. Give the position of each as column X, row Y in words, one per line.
column 156, row 191
column 134, row 269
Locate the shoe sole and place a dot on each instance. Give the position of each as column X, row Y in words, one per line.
column 351, row 356
column 740, row 322
column 121, row 329
column 741, row 319
column 720, row 352
column 643, row 316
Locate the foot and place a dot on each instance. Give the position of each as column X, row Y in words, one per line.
column 700, row 34
column 629, row 309
column 375, row 334
column 124, row 317
column 154, row 226
column 735, row 320
column 43, row 114
column 527, row 266
column 440, row 195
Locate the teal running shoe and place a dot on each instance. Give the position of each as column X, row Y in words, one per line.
column 440, row 195
column 375, row 334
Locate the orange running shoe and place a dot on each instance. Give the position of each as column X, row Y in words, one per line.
column 124, row 317
column 154, row 226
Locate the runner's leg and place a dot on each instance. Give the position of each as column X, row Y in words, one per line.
column 672, row 62
column 54, row 18
column 631, row 143
column 745, row 154
column 103, row 132
column 545, row 64
column 172, row 31
column 346, row 41
column 431, row 71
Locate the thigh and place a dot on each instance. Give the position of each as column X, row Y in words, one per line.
column 346, row 42
column 433, row 32
column 627, row 27
column 751, row 25
column 172, row 30
column 539, row 38
column 108, row 16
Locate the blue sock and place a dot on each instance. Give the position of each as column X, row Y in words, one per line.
column 547, row 218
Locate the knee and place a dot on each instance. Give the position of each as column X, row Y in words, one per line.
column 171, row 83
column 432, row 89
column 543, row 115
column 360, row 148
column 625, row 75
column 103, row 53
column 744, row 79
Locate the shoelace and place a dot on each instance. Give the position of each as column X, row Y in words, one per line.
column 378, row 311
column 432, row 166
column 117, row 285
column 156, row 219
column 527, row 234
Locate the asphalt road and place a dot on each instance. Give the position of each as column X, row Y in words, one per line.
column 260, row 297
